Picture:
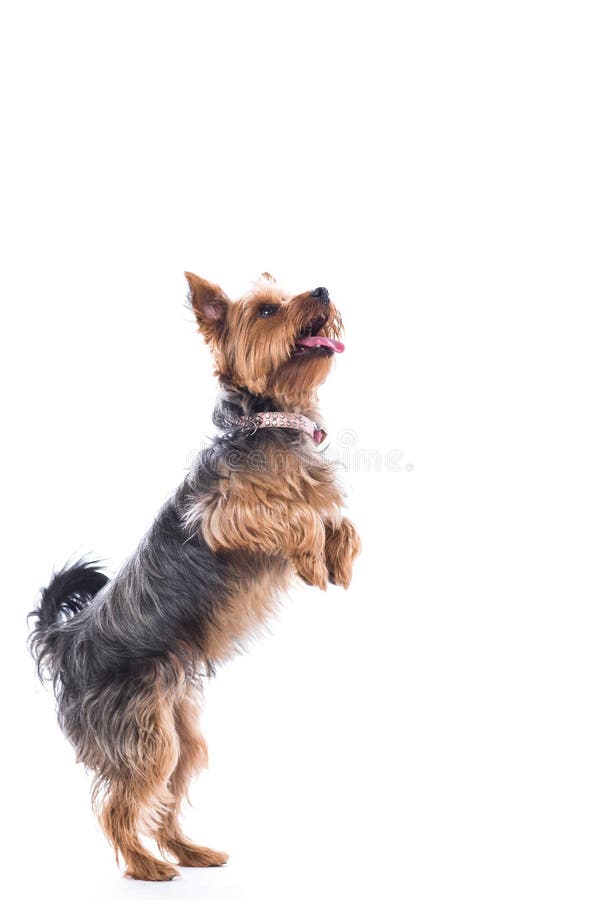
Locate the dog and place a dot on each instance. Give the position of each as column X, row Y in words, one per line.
column 127, row 657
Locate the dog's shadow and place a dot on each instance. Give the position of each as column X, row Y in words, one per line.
column 209, row 884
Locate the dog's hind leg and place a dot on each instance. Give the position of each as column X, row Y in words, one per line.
column 135, row 783
column 192, row 758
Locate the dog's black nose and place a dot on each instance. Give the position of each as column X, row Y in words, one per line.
column 321, row 294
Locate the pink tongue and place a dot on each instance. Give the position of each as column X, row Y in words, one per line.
column 319, row 341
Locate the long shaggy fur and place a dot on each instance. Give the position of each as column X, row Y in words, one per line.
column 126, row 656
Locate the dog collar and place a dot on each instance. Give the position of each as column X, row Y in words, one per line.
column 282, row 420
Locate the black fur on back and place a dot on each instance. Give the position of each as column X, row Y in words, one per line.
column 93, row 636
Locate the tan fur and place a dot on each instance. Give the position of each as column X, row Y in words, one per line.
column 279, row 514
column 281, row 509
column 288, row 510
column 254, row 353
column 250, row 607
column 145, row 793
column 342, row 546
column 138, row 793
column 193, row 757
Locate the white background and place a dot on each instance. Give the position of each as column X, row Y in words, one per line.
column 432, row 733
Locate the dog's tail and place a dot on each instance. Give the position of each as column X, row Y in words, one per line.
column 69, row 591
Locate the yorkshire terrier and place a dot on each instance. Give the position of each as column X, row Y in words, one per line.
column 127, row 656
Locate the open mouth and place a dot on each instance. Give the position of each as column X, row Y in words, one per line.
column 309, row 339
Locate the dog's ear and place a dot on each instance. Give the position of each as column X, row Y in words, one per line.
column 209, row 304
column 267, row 276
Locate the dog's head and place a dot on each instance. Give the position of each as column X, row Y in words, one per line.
column 267, row 342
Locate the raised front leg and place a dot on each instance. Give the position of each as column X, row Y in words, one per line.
column 342, row 546
column 289, row 528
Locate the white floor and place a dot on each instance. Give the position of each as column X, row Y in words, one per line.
column 428, row 736
column 107, row 885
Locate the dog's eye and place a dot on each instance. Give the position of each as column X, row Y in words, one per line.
column 268, row 309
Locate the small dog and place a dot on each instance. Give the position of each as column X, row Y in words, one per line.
column 127, row 656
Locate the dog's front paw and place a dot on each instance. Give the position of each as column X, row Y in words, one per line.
column 312, row 570
column 342, row 546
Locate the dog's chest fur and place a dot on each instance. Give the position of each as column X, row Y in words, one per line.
column 254, row 497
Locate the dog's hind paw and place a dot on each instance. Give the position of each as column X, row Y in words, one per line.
column 198, row 857
column 155, row 871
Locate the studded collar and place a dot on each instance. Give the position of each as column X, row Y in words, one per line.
column 282, row 420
